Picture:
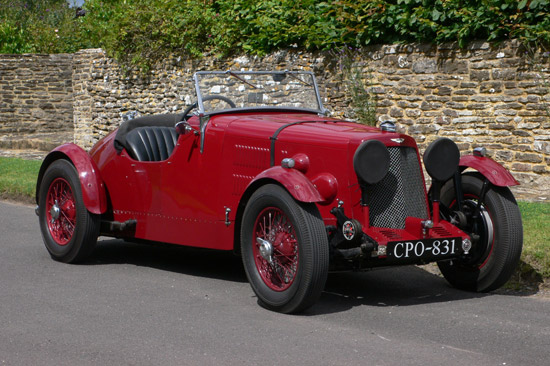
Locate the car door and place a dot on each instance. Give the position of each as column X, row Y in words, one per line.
column 192, row 211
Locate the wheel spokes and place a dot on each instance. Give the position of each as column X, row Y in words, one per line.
column 280, row 270
column 61, row 211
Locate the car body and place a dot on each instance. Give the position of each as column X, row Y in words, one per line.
column 261, row 170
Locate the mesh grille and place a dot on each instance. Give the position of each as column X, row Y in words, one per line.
column 400, row 194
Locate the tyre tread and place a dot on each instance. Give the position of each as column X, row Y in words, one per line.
column 87, row 225
column 508, row 240
column 314, row 248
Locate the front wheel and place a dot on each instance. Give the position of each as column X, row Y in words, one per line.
column 69, row 230
column 285, row 250
column 495, row 223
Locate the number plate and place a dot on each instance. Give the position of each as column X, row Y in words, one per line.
column 423, row 249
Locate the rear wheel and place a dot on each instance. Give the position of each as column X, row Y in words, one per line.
column 498, row 231
column 285, row 250
column 69, row 230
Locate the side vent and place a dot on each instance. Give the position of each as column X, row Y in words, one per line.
column 253, row 157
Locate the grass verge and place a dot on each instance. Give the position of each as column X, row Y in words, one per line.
column 18, row 180
column 534, row 268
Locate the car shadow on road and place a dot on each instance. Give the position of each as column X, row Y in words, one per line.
column 396, row 286
column 198, row 262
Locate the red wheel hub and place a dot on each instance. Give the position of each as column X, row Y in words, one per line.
column 60, row 211
column 275, row 249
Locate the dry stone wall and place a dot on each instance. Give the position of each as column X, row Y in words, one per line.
column 497, row 96
column 35, row 98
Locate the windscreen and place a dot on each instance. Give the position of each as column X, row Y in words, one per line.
column 219, row 91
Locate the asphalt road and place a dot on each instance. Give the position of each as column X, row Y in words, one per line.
column 135, row 304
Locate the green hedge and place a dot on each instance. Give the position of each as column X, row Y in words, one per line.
column 140, row 32
column 39, row 26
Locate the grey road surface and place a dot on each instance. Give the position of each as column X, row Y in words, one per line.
column 136, row 304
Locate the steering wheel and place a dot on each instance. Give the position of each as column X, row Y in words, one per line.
column 205, row 99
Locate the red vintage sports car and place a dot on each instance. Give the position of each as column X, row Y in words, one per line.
column 256, row 166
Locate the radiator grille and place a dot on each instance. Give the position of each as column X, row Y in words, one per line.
column 400, row 194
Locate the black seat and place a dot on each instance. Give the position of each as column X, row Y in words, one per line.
column 151, row 143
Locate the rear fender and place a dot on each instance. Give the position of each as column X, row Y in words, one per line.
column 490, row 169
column 93, row 188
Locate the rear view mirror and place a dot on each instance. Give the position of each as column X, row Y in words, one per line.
column 183, row 128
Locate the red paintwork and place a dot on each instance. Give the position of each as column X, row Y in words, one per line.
column 301, row 162
column 183, row 200
column 435, row 214
column 410, row 234
column 493, row 171
column 93, row 190
column 295, row 182
column 194, row 198
column 327, row 185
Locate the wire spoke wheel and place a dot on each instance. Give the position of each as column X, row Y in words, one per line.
column 69, row 230
column 60, row 211
column 278, row 268
column 284, row 248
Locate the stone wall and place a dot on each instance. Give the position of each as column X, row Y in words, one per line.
column 497, row 96
column 484, row 95
column 35, row 98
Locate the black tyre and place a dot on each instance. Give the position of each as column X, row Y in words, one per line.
column 285, row 250
column 496, row 254
column 69, row 230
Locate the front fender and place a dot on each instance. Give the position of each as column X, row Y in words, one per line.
column 493, row 171
column 295, row 182
column 93, row 189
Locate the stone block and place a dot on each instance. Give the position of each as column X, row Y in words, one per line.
column 521, row 167
column 424, row 66
column 542, row 146
column 443, row 90
column 527, row 126
column 468, row 84
column 504, row 74
column 504, row 155
column 521, row 133
column 460, row 120
column 505, row 112
column 540, row 169
column 453, row 67
column 465, row 92
column 450, row 112
column 528, row 158
column 491, row 87
column 480, row 75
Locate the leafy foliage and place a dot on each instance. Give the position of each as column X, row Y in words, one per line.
column 40, row 26
column 141, row 32
column 356, row 76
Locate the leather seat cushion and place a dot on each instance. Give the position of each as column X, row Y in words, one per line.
column 151, row 143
